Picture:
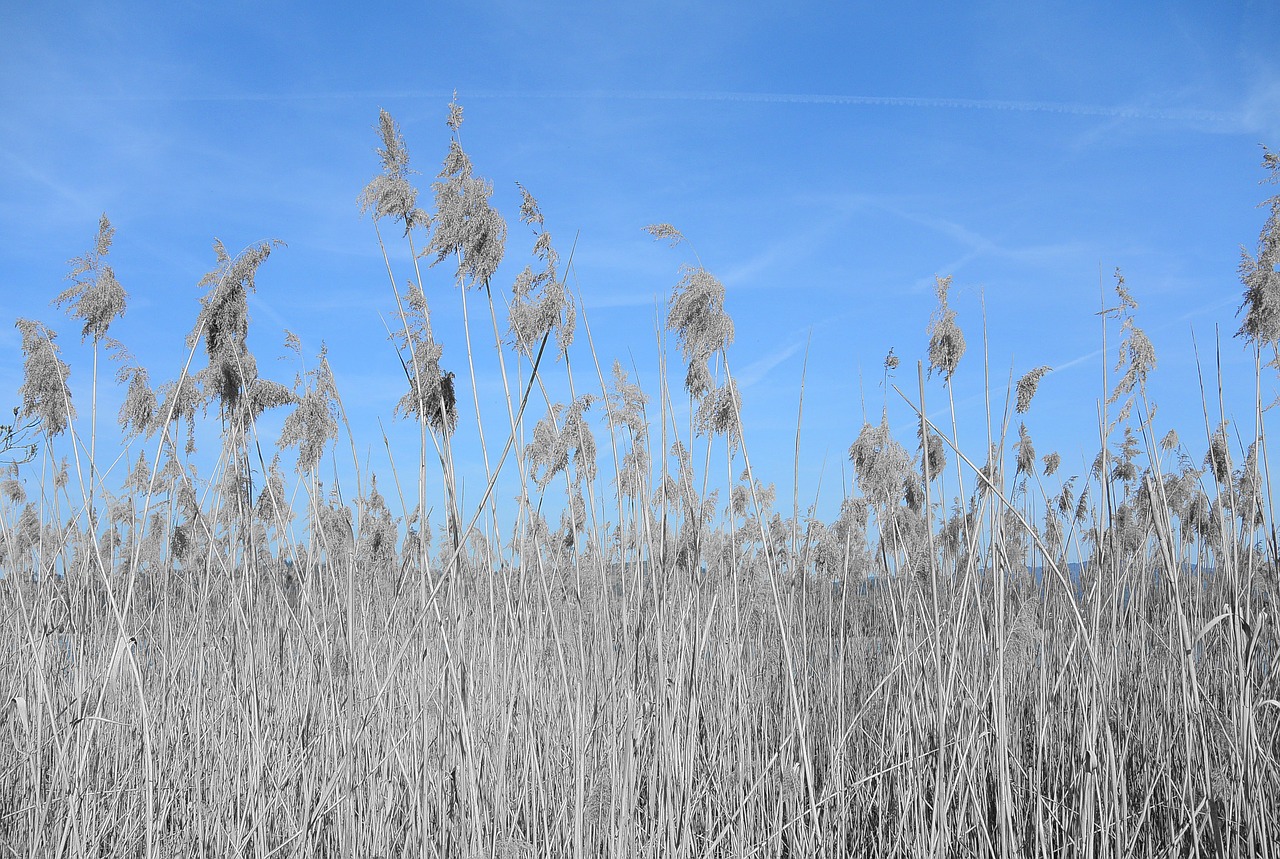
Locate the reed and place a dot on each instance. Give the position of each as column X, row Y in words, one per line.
column 975, row 658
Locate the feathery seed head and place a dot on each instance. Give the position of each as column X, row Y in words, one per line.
column 542, row 248
column 179, row 400
column 1259, row 273
column 1027, row 387
column 556, row 443
column 223, row 324
column 1066, row 499
column 666, row 232
column 45, row 393
column 456, row 163
column 913, row 492
column 530, row 318
column 1026, row 452
column 529, row 211
column 1125, row 471
column 696, row 313
column 393, row 154
column 1218, row 457
column 270, row 506
column 1051, row 463
column 139, row 408
column 1127, row 302
column 431, row 395
column 1262, row 287
column 946, row 340
column 1137, row 355
column 990, row 474
column 63, row 475
column 106, row 233
column 1053, row 533
column 1082, row 506
column 718, row 414
column 625, row 405
column 932, row 453
column 12, row 490
column 95, row 296
column 466, row 224
column 313, row 422
column 881, row 464
column 391, row 194
column 455, row 114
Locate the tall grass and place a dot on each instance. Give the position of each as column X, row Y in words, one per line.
column 975, row 658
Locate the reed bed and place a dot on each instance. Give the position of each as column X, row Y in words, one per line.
column 975, row 658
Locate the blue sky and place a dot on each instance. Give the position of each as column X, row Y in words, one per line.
column 827, row 161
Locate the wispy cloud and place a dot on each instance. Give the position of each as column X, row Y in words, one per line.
column 759, row 368
column 266, row 309
column 1261, row 111
column 796, row 244
column 19, row 166
column 978, row 246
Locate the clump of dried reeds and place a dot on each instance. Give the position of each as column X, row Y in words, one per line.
column 242, row 663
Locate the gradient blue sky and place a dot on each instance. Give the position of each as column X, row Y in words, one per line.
column 826, row 161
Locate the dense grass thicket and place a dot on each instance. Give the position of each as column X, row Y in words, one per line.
column 977, row 657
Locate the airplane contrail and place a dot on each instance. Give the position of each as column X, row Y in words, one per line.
column 1124, row 112
column 1065, row 108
